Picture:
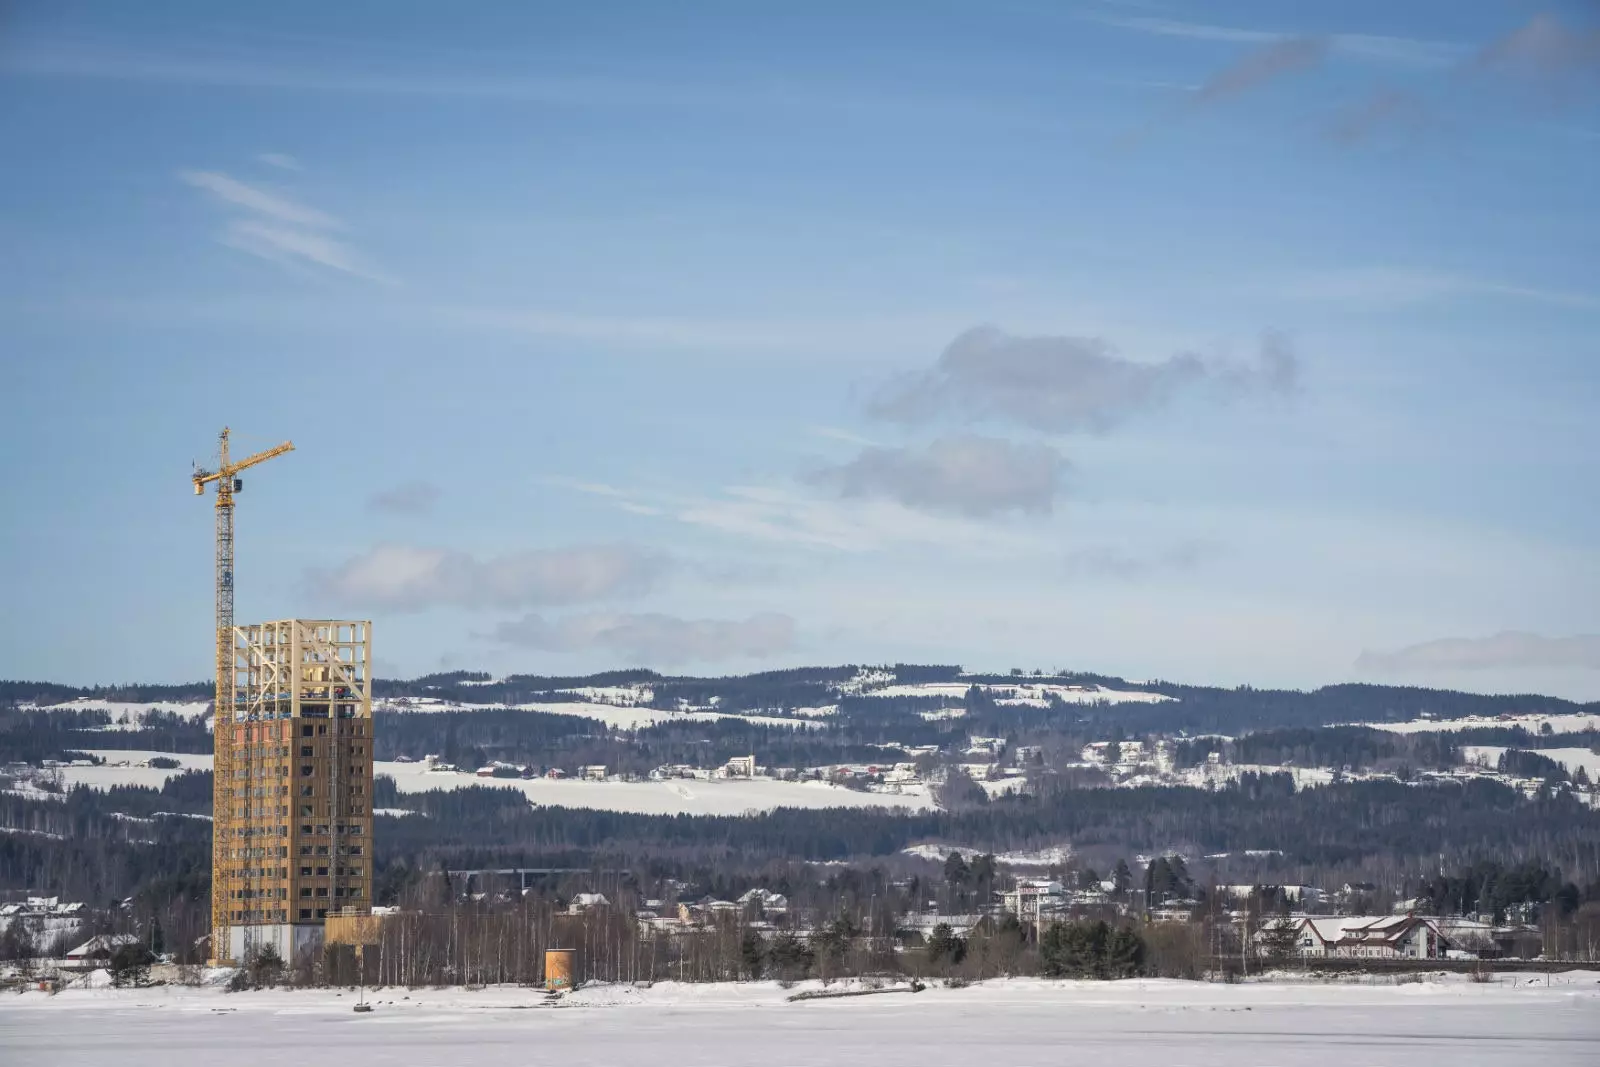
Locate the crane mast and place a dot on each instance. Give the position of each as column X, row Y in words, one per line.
column 229, row 753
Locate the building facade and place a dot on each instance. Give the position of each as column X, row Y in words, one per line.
column 292, row 836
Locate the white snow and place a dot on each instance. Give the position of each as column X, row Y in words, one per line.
column 1570, row 758
column 1051, row 856
column 621, row 695
column 119, row 769
column 618, row 717
column 184, row 709
column 1573, row 723
column 1027, row 694
column 1149, row 1023
column 672, row 797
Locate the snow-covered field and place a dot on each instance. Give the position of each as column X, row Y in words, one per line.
column 616, row 716
column 672, row 797
column 186, row 710
column 1053, row 856
column 119, row 769
column 1570, row 758
column 1019, row 1022
column 1573, row 723
column 1030, row 694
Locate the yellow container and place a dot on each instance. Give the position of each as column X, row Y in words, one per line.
column 558, row 969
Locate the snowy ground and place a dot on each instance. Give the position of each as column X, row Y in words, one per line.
column 1021, row 1022
column 1570, row 758
column 1576, row 722
column 1032, row 694
column 616, row 716
column 134, row 711
column 673, row 797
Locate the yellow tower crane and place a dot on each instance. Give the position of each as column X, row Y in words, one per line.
column 223, row 873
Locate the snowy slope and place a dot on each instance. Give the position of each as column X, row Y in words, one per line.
column 1570, row 758
column 1575, row 723
column 675, row 797
column 187, row 710
column 1029, row 694
column 616, row 716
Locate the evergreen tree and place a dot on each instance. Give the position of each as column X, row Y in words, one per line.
column 1122, row 878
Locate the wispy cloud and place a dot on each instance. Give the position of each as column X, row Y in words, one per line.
column 1383, row 108
column 276, row 227
column 411, row 498
column 1545, row 47
column 1399, row 286
column 1268, row 63
column 281, row 160
column 398, row 577
column 1400, row 51
column 1508, row 650
column 963, row 475
column 782, row 516
column 649, row 639
column 256, row 200
column 1066, row 384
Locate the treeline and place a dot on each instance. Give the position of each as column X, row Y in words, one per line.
column 1491, row 887
column 1354, row 748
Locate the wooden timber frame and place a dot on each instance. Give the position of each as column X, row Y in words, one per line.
column 292, row 836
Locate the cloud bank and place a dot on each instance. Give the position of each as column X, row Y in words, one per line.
column 1511, row 649
column 406, row 578
column 964, row 475
column 1069, row 384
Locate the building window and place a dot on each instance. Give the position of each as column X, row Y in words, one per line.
column 305, row 913
column 305, row 731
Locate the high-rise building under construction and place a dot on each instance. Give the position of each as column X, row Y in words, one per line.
column 292, row 838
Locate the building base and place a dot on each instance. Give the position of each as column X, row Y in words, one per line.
column 287, row 939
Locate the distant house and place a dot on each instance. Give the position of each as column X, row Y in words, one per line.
column 95, row 951
column 592, row 772
column 1368, row 937
column 582, row 902
column 740, row 767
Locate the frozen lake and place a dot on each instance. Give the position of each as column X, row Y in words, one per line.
column 1159, row 1024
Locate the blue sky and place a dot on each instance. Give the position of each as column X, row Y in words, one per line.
column 1225, row 342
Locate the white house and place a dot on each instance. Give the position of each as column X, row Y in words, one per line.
column 1369, row 937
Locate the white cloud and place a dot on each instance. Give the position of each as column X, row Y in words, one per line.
column 1065, row 384
column 654, row 638
column 1400, row 51
column 963, row 474
column 256, row 200
column 1509, row 650
column 408, row 578
column 782, row 516
column 275, row 227
column 1270, row 62
column 281, row 160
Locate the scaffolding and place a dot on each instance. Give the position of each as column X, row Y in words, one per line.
column 293, row 830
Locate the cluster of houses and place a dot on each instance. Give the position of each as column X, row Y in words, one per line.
column 44, row 921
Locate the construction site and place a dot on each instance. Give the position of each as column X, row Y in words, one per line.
column 292, row 772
